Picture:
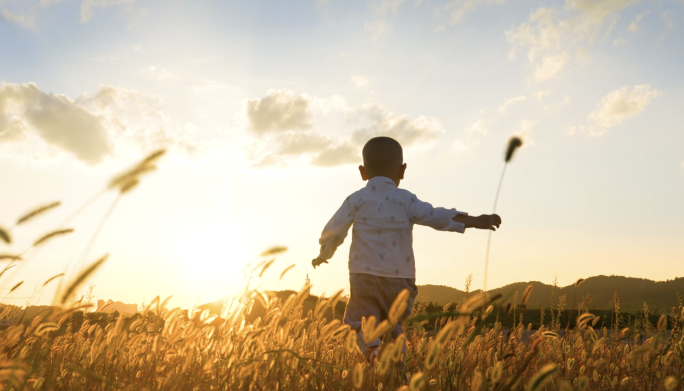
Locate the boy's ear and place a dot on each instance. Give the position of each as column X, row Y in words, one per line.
column 402, row 170
column 362, row 170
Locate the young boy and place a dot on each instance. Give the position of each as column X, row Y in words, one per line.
column 381, row 261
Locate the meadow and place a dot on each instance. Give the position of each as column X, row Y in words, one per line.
column 465, row 346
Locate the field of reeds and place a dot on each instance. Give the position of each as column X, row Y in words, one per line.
column 462, row 347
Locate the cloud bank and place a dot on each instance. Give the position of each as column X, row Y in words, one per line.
column 283, row 123
column 550, row 34
column 89, row 127
column 616, row 107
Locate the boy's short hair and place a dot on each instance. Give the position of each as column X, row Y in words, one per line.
column 382, row 156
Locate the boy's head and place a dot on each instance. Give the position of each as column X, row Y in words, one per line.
column 383, row 156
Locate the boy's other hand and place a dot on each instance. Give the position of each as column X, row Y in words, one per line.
column 318, row 262
column 491, row 222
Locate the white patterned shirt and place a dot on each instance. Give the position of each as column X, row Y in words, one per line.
column 382, row 239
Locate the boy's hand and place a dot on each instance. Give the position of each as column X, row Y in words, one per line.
column 491, row 222
column 318, row 262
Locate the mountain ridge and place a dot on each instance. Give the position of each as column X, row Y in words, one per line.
column 631, row 291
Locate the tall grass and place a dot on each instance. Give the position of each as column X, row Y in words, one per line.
column 288, row 349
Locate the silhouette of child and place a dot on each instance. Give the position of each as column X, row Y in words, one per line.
column 381, row 261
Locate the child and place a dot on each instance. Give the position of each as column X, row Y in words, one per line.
column 381, row 261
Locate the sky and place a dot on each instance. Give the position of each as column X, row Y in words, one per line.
column 265, row 106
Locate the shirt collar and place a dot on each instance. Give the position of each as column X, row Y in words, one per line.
column 380, row 179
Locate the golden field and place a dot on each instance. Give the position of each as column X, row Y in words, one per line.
column 464, row 347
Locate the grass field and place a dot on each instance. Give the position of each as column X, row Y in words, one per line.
column 464, row 347
column 289, row 350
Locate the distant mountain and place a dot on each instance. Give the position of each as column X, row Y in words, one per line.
column 633, row 292
column 111, row 306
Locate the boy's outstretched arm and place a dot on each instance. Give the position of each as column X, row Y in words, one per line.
column 334, row 233
column 491, row 222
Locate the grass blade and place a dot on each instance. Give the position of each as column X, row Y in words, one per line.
column 274, row 250
column 5, row 236
column 52, row 278
column 38, row 211
column 82, row 277
column 51, row 235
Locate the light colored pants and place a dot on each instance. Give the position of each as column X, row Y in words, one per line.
column 373, row 296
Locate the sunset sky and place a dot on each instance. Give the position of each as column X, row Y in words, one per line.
column 264, row 108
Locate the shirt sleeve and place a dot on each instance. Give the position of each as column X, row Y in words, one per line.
column 336, row 230
column 423, row 213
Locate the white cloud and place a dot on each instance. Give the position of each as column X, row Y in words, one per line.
column 620, row 105
column 410, row 132
column 377, row 28
column 360, row 82
column 459, row 8
column 279, row 110
column 384, row 6
column 510, row 102
column 88, row 6
column 478, row 126
column 380, row 8
column 22, row 20
column 284, row 124
column 616, row 107
column 24, row 12
column 549, row 34
column 159, row 73
column 337, row 156
column 523, row 130
column 89, row 127
column 666, row 16
column 550, row 67
column 56, row 119
column 634, row 26
column 539, row 95
column 438, row 29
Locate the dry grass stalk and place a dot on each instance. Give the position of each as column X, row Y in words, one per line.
column 274, row 251
column 52, row 278
column 38, row 211
column 51, row 235
column 5, row 236
column 82, row 277
column 287, row 269
column 14, row 288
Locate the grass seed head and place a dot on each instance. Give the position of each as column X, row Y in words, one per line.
column 527, row 293
column 80, row 279
column 5, row 236
column 274, row 250
column 513, row 144
column 541, row 378
column 357, row 375
column 662, row 323
column 433, row 355
column 16, row 286
column 51, row 235
column 398, row 308
column 38, row 211
column 417, row 381
column 476, row 381
column 670, row 383
column 287, row 269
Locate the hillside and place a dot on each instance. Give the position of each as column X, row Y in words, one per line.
column 633, row 292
